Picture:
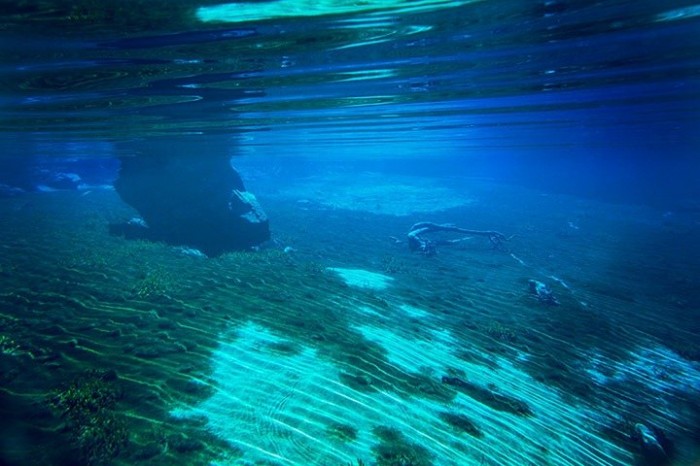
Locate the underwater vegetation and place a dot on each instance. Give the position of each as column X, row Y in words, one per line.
column 342, row 432
column 461, row 423
column 501, row 332
column 88, row 408
column 154, row 283
column 395, row 450
column 359, row 463
column 490, row 397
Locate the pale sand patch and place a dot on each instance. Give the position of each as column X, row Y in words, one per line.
column 377, row 193
column 556, row 425
column 414, row 312
column 279, row 408
column 658, row 368
column 363, row 278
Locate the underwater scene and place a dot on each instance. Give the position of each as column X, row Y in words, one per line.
column 350, row 233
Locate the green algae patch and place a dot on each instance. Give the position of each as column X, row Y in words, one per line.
column 461, row 423
column 490, row 397
column 88, row 406
column 394, row 449
column 342, row 432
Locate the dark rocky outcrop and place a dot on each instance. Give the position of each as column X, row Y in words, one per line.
column 196, row 200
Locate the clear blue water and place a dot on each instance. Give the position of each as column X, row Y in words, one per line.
column 572, row 125
column 499, row 86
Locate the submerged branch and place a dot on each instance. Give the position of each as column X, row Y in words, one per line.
column 417, row 240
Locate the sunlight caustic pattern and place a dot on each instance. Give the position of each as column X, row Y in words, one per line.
column 288, row 409
column 257, row 11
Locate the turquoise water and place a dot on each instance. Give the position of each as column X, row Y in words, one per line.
column 549, row 317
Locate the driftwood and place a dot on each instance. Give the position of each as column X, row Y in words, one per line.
column 418, row 242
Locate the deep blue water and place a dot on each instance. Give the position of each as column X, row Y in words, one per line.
column 604, row 95
column 593, row 104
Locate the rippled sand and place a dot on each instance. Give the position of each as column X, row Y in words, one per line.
column 271, row 357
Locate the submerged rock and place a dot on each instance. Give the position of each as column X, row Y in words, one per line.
column 194, row 200
column 654, row 445
column 63, row 180
column 542, row 292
